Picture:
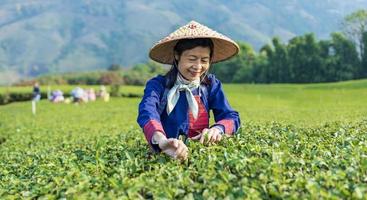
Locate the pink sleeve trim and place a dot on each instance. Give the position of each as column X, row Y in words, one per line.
column 150, row 127
column 228, row 125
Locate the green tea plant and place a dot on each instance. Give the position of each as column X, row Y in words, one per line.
column 295, row 142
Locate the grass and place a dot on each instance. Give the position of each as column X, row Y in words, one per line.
column 299, row 104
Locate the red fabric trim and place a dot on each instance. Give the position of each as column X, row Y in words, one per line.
column 228, row 125
column 150, row 127
column 197, row 126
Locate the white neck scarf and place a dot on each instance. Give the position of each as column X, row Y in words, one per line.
column 174, row 93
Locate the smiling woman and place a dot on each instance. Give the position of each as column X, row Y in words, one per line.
column 191, row 60
column 178, row 104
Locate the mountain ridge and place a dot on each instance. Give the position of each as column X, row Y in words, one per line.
column 53, row 36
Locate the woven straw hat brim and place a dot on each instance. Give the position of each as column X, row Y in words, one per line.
column 224, row 48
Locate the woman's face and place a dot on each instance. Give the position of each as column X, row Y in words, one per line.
column 194, row 62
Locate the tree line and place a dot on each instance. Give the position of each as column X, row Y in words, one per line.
column 303, row 59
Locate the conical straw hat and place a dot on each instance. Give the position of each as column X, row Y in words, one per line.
column 224, row 47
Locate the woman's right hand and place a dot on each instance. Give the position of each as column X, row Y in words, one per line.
column 172, row 147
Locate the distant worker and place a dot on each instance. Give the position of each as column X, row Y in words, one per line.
column 103, row 94
column 36, row 96
column 91, row 94
column 78, row 95
column 57, row 96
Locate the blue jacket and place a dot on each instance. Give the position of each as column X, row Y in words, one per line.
column 152, row 107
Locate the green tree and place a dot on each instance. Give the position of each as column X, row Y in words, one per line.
column 140, row 73
column 245, row 62
column 345, row 57
column 278, row 67
column 259, row 69
column 156, row 68
column 354, row 26
column 363, row 66
column 226, row 71
column 327, row 52
column 305, row 59
column 264, row 71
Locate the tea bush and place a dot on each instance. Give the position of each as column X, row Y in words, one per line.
column 295, row 142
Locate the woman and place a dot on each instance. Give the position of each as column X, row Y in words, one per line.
column 36, row 92
column 178, row 103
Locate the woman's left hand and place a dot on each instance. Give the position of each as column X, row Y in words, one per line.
column 212, row 135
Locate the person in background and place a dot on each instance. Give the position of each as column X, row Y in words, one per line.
column 78, row 95
column 57, row 96
column 36, row 95
column 178, row 104
column 91, row 94
column 103, row 94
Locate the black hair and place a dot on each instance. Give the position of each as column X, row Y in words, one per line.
column 181, row 46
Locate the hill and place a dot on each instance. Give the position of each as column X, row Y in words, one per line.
column 51, row 36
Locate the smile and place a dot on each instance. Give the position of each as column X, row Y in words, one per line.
column 194, row 73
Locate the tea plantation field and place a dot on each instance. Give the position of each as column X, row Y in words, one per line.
column 296, row 142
